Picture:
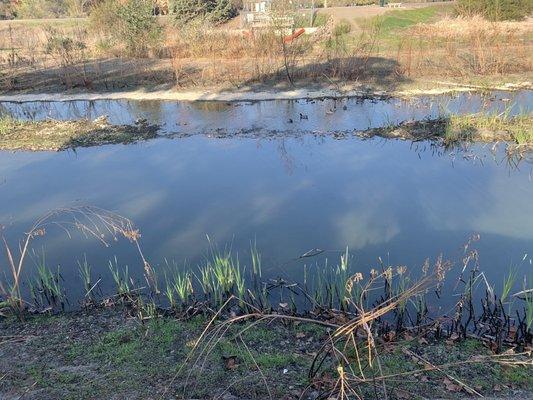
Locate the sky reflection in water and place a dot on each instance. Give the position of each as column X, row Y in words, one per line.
column 380, row 198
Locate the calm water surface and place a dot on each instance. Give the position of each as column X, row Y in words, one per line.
column 290, row 192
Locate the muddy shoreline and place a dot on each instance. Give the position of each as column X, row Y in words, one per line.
column 246, row 94
column 54, row 135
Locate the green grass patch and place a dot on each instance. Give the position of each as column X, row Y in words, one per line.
column 394, row 21
column 158, row 338
column 128, row 359
column 519, row 376
column 518, row 129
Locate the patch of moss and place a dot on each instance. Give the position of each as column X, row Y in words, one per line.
column 521, row 376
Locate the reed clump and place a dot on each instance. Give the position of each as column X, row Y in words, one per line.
column 383, row 313
column 46, row 288
column 496, row 126
column 388, row 300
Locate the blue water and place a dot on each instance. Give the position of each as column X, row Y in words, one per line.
column 290, row 193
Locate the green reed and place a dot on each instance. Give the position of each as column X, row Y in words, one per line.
column 122, row 280
column 528, row 300
column 84, row 270
column 224, row 268
column 509, row 281
column 331, row 287
column 46, row 288
column 179, row 287
column 257, row 267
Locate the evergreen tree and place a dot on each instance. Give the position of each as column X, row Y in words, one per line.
column 224, row 11
column 216, row 11
column 186, row 10
column 496, row 10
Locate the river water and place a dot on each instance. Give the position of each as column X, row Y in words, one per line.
column 280, row 174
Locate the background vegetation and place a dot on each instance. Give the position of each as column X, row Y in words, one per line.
column 215, row 11
column 123, row 44
column 496, row 10
column 129, row 23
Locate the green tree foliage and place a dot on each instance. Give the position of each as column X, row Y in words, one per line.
column 216, row 11
column 224, row 11
column 129, row 23
column 495, row 10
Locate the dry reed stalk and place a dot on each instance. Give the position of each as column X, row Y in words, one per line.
column 466, row 46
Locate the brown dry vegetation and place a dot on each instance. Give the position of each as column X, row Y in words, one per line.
column 461, row 47
column 34, row 57
column 52, row 135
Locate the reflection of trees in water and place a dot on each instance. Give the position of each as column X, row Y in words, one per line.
column 214, row 106
column 152, row 110
column 498, row 153
column 474, row 153
column 33, row 111
column 287, row 160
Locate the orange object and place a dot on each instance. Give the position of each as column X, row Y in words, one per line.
column 290, row 38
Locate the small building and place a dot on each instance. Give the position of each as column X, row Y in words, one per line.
column 262, row 13
column 257, row 6
column 256, row 13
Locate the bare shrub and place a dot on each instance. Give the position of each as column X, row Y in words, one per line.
column 215, row 11
column 202, row 53
column 68, row 52
column 221, row 56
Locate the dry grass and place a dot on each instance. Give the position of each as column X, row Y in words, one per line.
column 199, row 55
column 357, row 359
column 466, row 26
column 61, row 135
column 467, row 46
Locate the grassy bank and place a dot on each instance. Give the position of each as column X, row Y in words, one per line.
column 52, row 135
column 102, row 354
column 395, row 22
column 456, row 129
column 517, row 129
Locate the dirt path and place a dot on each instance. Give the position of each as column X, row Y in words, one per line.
column 247, row 94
